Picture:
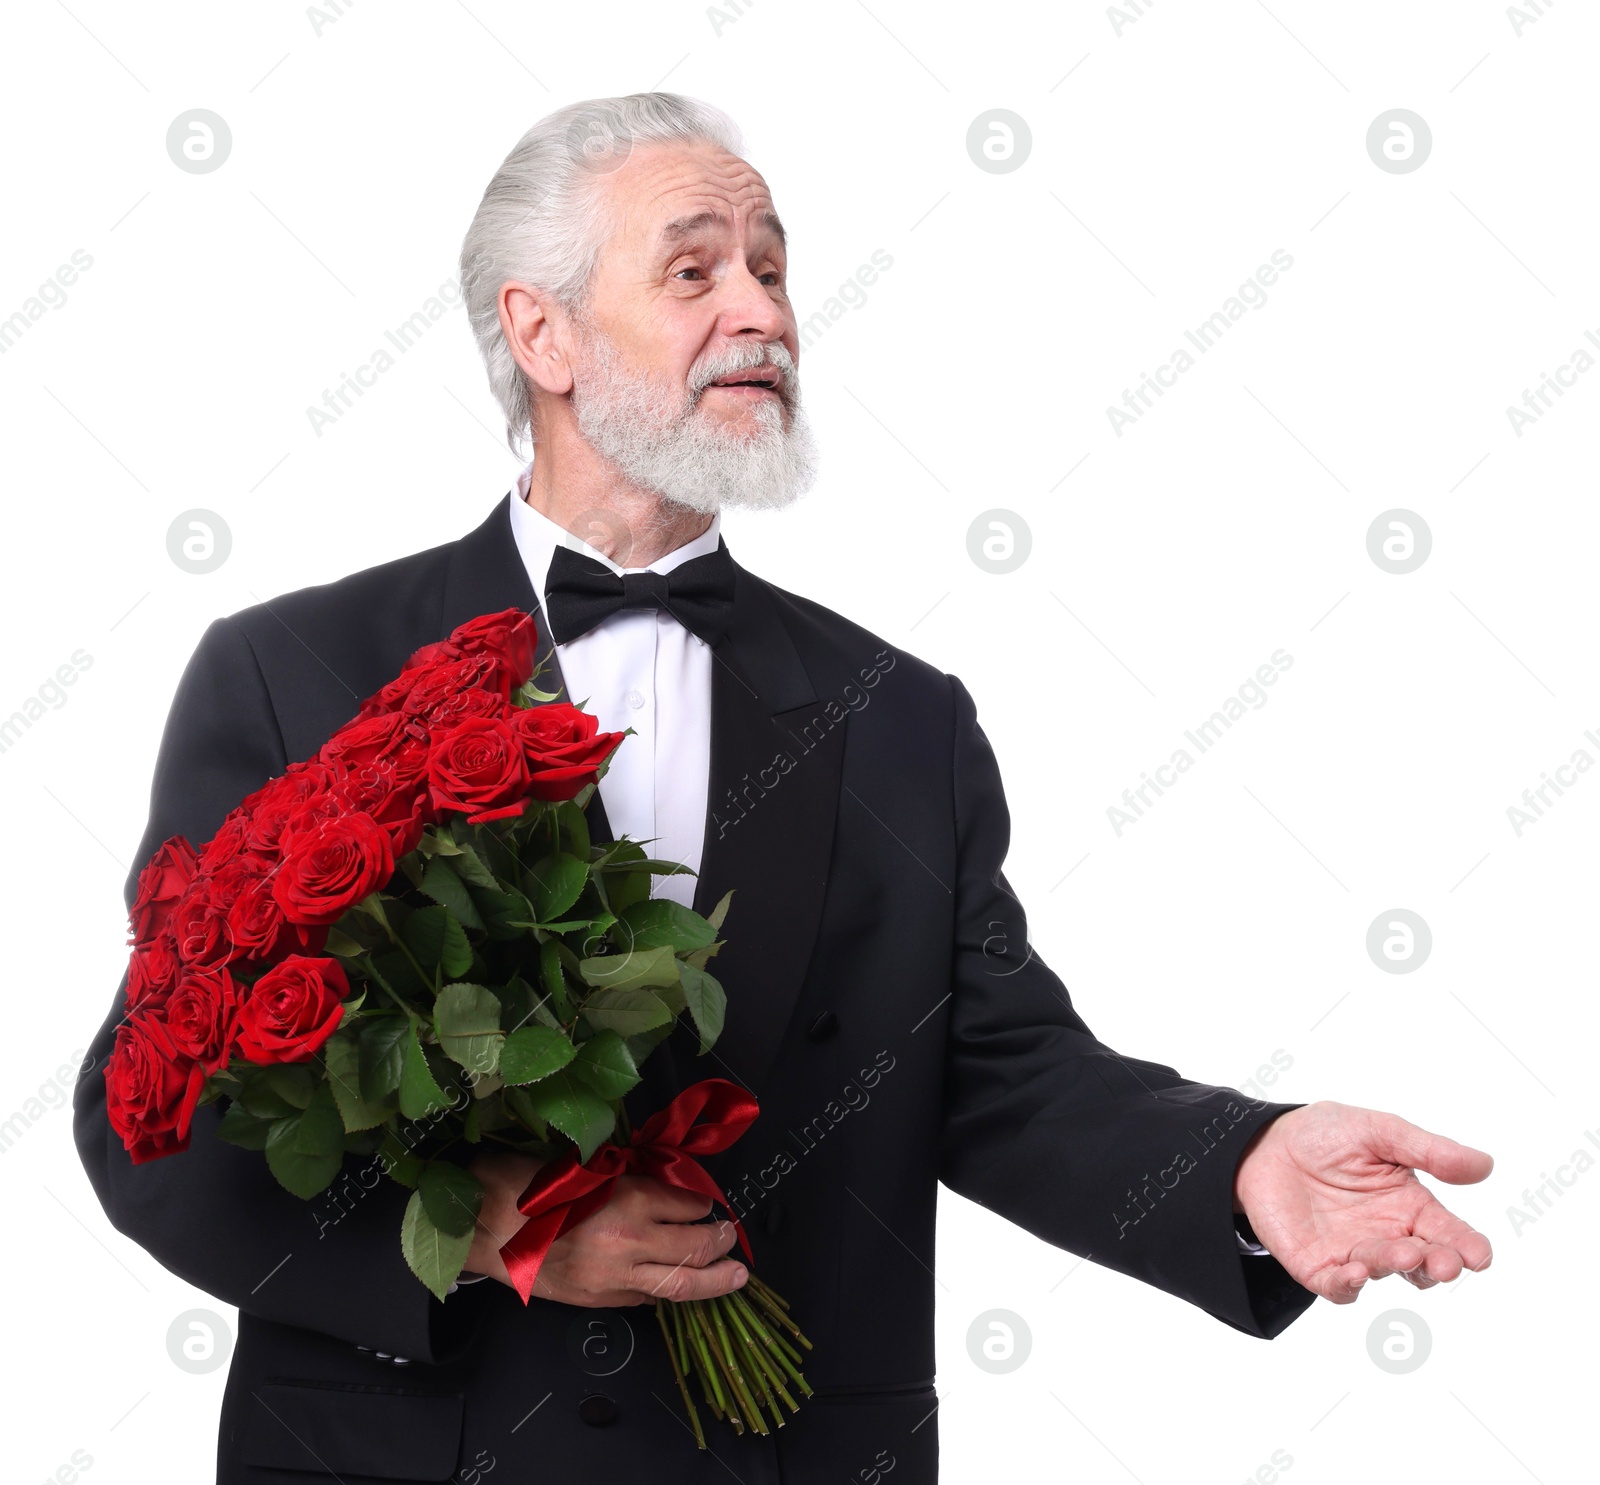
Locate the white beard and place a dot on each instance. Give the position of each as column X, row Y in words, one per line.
column 662, row 441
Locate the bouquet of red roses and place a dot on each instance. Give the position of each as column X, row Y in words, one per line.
column 409, row 946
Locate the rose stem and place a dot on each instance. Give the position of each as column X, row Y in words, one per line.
column 702, row 1369
column 763, row 1362
column 714, row 1364
column 768, row 1290
column 773, row 1344
column 782, row 1319
column 677, row 1372
column 716, row 1339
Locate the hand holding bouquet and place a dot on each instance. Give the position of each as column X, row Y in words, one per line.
column 409, row 948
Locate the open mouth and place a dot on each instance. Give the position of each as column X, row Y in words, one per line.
column 750, row 382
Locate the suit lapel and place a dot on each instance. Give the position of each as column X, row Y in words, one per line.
column 776, row 755
column 773, row 796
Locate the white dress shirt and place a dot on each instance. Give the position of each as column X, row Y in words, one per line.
column 639, row 668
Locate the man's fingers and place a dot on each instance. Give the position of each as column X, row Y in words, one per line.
column 656, row 1281
column 1437, row 1224
column 659, row 1202
column 1402, row 1143
column 1341, row 1285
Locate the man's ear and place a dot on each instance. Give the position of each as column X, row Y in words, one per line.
column 536, row 330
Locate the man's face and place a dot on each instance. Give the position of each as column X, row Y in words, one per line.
column 689, row 298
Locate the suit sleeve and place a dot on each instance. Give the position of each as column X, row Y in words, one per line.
column 1118, row 1160
column 214, row 1215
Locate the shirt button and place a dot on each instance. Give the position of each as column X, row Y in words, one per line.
column 634, row 698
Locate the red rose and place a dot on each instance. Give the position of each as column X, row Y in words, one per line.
column 203, row 1016
column 199, row 929
column 231, row 838
column 448, row 685
column 292, row 1010
column 330, row 865
column 477, row 767
column 152, row 1089
column 309, row 816
column 508, row 638
column 163, row 881
column 276, row 800
column 153, row 972
column 387, row 737
column 403, row 809
column 443, row 694
column 564, row 748
column 253, row 924
column 381, row 768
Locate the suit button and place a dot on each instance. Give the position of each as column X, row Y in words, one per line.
column 774, row 1218
column 597, row 1410
column 825, row 1024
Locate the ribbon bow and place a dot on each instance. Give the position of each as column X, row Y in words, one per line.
column 564, row 1192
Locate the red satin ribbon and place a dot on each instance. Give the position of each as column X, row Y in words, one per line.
column 564, row 1192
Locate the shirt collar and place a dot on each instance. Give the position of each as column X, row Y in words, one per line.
column 537, row 537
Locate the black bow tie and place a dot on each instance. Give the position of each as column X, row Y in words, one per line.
column 580, row 592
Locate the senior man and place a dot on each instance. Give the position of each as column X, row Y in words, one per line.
column 626, row 277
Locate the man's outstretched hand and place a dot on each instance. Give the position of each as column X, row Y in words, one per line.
column 1332, row 1193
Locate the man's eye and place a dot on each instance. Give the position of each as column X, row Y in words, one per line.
column 682, row 271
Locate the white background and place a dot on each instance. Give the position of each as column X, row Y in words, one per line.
column 1171, row 155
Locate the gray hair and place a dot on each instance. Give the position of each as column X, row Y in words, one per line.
column 542, row 220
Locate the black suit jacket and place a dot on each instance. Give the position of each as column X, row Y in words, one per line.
column 884, row 1006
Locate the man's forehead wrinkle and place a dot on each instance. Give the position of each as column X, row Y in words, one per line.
column 668, row 175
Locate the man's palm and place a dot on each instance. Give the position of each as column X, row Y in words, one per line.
column 1333, row 1195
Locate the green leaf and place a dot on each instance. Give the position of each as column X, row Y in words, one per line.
column 258, row 1097
column 630, row 971
column 624, row 889
column 467, row 1020
column 643, row 1043
column 469, row 866
column 341, row 1057
column 342, row 944
column 708, row 1003
column 441, row 883
column 433, row 1255
column 294, row 1082
column 438, row 941
column 550, row 975
column 398, row 1162
column 574, row 828
column 381, row 1056
column 573, row 1108
column 451, row 1196
column 305, row 1150
column 555, row 883
column 394, row 969
column 701, row 957
column 626, row 1012
column 420, row 1093
column 720, row 911
column 506, row 914
column 659, row 921
column 519, row 1108
column 534, row 1052
column 240, row 1127
column 605, row 1064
